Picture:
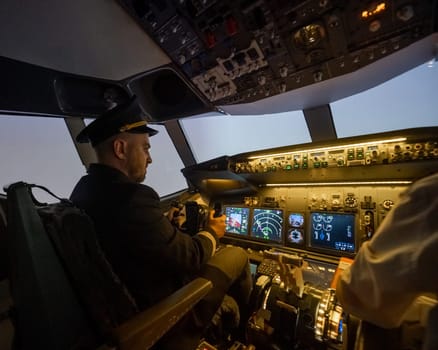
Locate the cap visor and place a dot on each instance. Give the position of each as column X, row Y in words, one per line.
column 143, row 130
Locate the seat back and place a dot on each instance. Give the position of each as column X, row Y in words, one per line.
column 65, row 293
column 106, row 299
column 48, row 314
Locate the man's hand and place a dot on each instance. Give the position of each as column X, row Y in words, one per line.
column 176, row 216
column 217, row 224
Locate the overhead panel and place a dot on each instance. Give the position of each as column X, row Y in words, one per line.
column 243, row 51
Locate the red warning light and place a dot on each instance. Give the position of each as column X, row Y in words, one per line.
column 231, row 25
column 210, row 39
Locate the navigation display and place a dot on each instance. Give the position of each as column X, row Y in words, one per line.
column 267, row 224
column 237, row 220
column 333, row 231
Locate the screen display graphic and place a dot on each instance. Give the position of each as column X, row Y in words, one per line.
column 237, row 220
column 267, row 224
column 334, row 231
column 295, row 233
column 295, row 236
column 296, row 220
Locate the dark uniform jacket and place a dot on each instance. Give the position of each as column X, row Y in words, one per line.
column 147, row 252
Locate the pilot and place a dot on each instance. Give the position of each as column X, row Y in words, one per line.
column 150, row 255
column 398, row 264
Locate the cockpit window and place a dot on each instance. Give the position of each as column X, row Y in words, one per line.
column 164, row 174
column 214, row 136
column 406, row 101
column 38, row 150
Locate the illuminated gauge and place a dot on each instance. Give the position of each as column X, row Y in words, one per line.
column 317, row 217
column 296, row 220
column 327, row 218
column 267, row 224
column 375, row 26
column 309, row 35
column 327, row 227
column 295, row 236
column 387, row 204
column 350, row 201
column 317, row 226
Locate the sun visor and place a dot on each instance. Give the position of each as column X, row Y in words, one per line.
column 165, row 95
column 162, row 93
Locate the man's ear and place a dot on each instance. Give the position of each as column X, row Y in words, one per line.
column 120, row 148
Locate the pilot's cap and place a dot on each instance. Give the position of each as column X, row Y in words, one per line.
column 127, row 117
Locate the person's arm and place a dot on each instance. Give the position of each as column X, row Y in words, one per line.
column 398, row 263
column 154, row 235
column 215, row 226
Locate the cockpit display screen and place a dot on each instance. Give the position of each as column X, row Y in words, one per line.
column 267, row 224
column 333, row 231
column 295, row 232
column 237, row 220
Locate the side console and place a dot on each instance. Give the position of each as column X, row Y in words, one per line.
column 295, row 305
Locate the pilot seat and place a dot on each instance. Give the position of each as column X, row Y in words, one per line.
column 64, row 292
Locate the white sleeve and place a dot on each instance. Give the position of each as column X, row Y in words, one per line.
column 211, row 238
column 398, row 263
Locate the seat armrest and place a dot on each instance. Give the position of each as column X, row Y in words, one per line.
column 146, row 328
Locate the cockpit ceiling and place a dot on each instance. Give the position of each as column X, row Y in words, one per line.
column 90, row 38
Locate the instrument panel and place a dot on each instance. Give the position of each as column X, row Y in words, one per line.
column 389, row 151
column 326, row 198
column 333, row 220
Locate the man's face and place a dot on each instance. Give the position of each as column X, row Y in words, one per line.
column 138, row 156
